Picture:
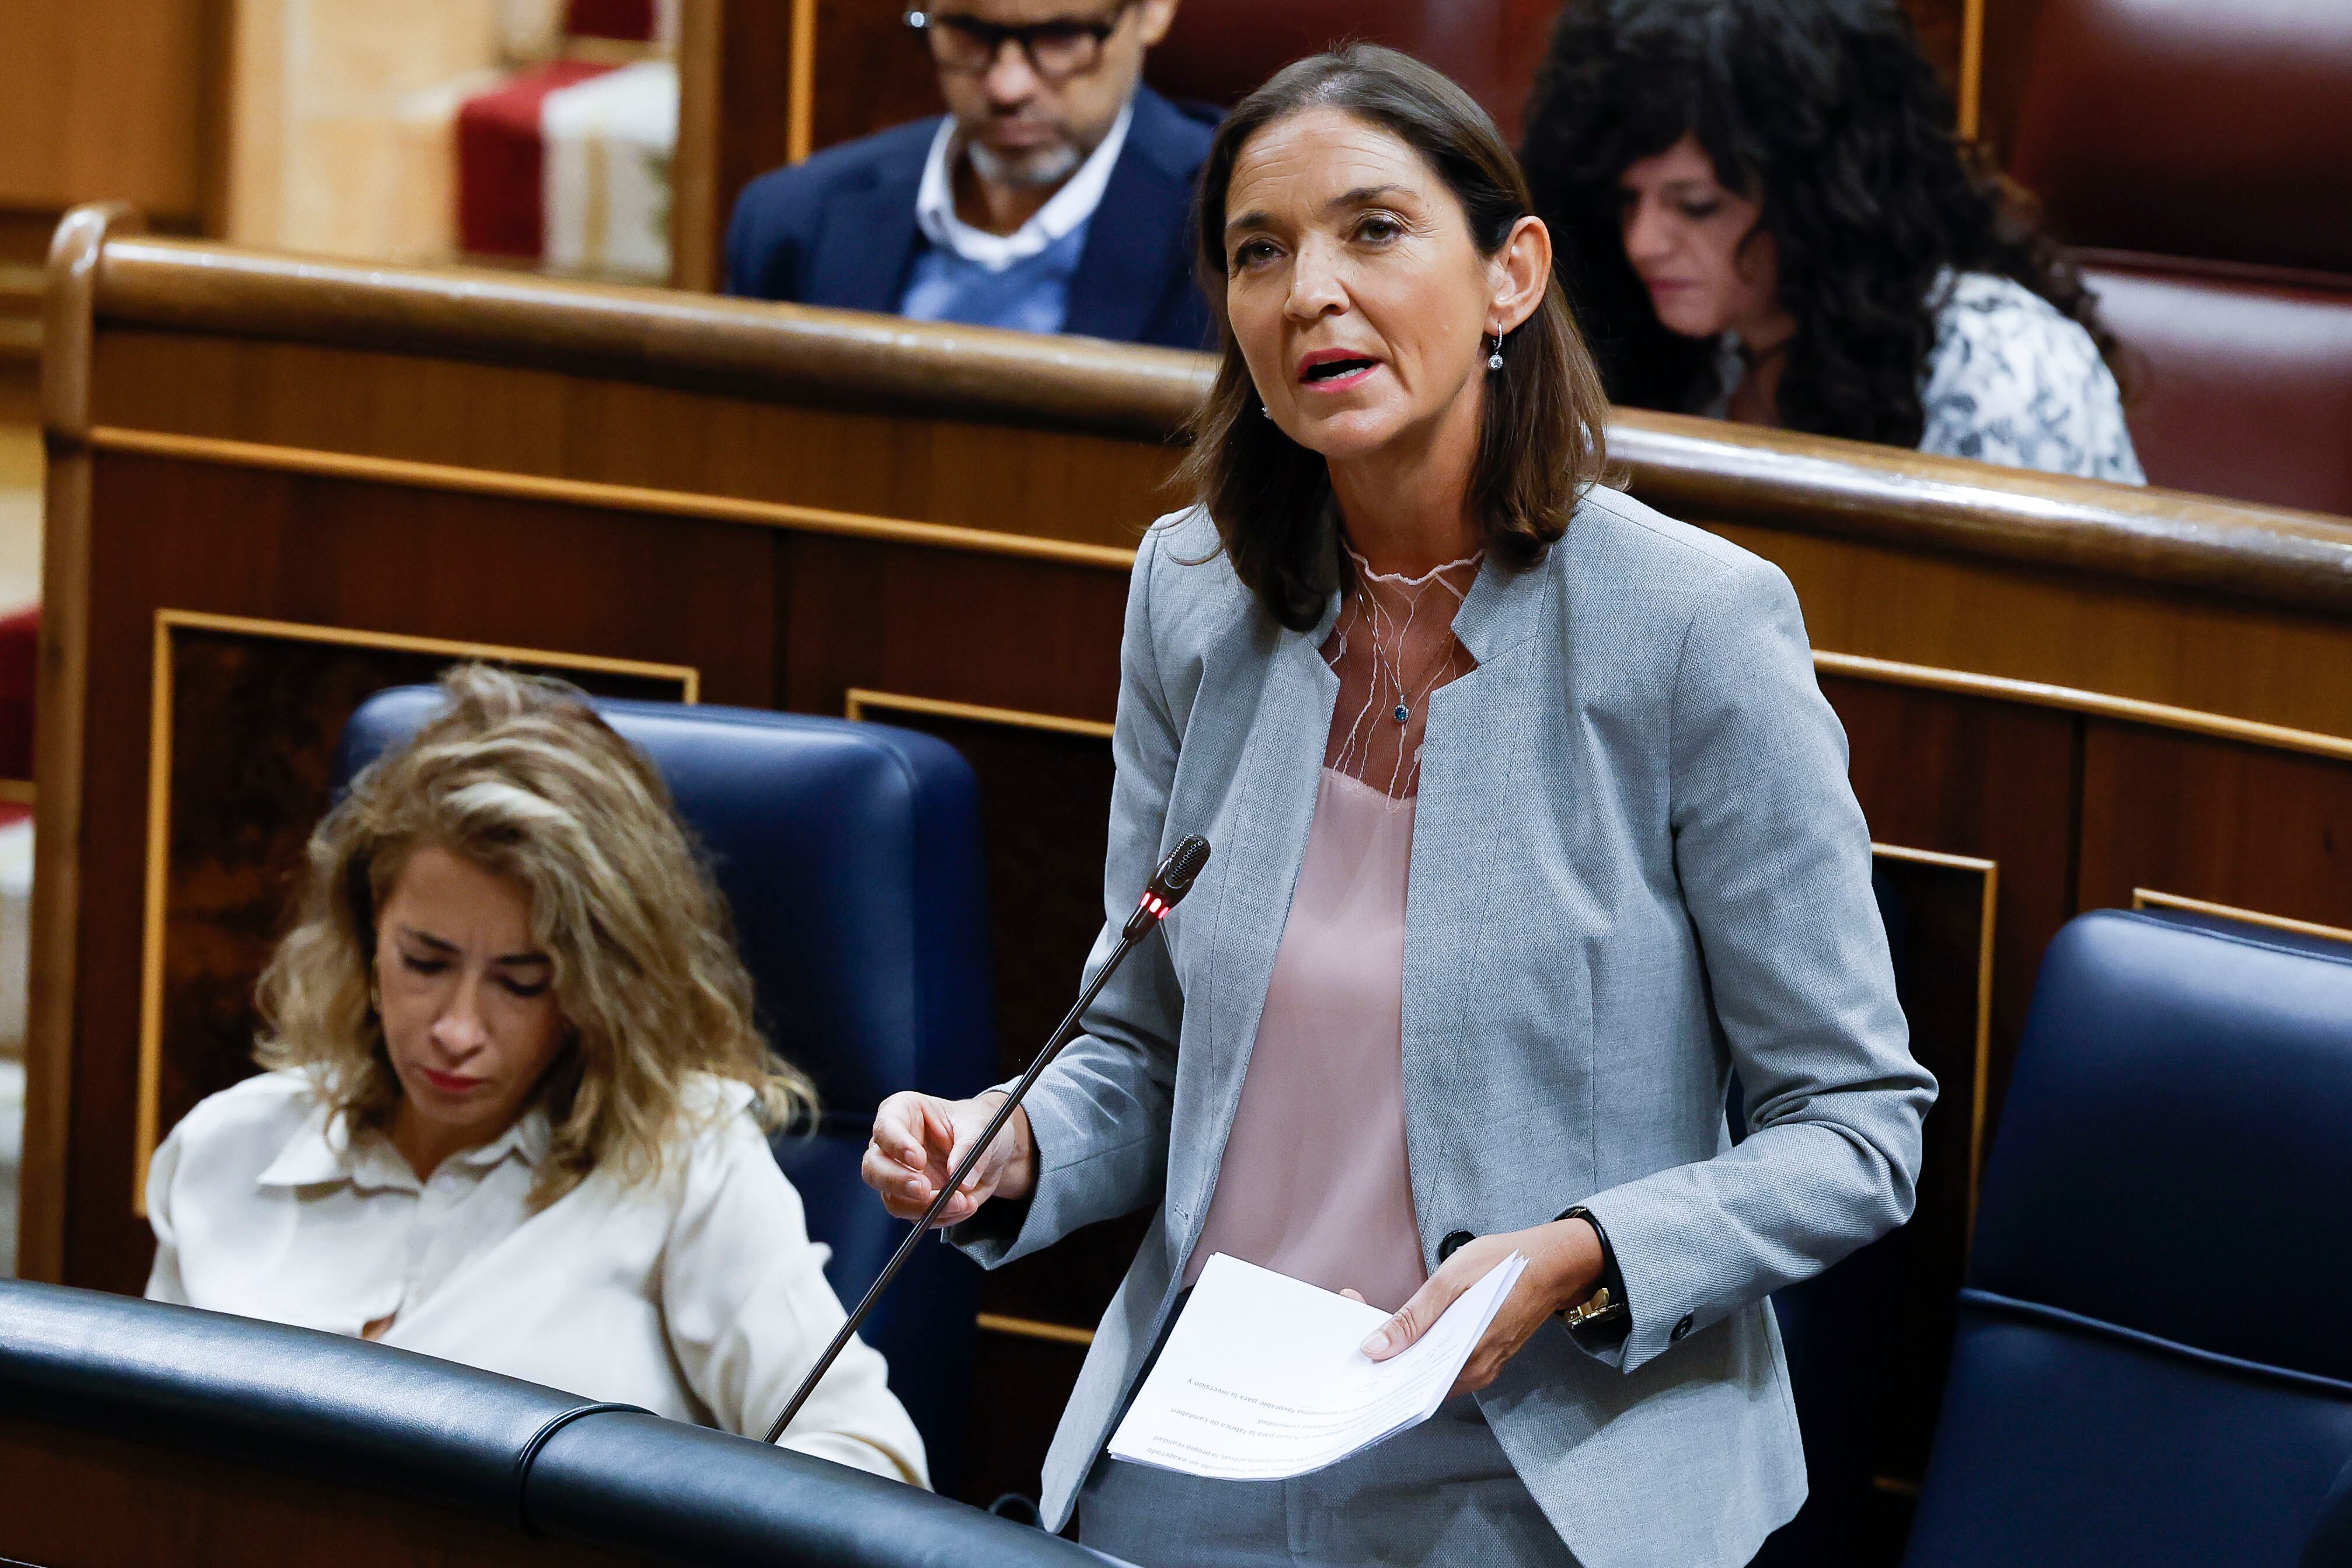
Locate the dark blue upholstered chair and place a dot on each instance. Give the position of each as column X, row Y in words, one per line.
column 850, row 856
column 2153, row 1365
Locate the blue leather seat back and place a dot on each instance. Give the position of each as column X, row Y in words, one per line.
column 850, row 856
column 2152, row 1366
column 2182, row 1094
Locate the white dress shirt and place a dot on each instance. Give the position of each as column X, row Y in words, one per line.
column 696, row 1295
column 1064, row 212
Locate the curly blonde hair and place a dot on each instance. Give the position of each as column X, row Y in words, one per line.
column 518, row 776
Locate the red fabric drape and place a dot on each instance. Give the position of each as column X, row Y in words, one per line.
column 500, row 159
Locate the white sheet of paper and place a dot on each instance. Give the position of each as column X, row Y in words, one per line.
column 1261, row 1377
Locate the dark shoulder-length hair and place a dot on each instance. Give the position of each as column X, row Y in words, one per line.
column 1826, row 113
column 1543, row 442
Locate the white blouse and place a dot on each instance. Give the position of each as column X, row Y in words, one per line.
column 2011, row 380
column 696, row 1295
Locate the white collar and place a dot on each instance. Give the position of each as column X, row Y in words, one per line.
column 1068, row 207
column 323, row 1150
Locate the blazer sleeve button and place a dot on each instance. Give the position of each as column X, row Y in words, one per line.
column 1454, row 1241
column 1682, row 1328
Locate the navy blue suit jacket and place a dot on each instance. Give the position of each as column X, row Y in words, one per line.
column 839, row 230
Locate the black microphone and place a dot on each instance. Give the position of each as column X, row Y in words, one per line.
column 1169, row 883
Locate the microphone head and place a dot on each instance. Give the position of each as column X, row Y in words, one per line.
column 1168, row 886
column 1176, row 874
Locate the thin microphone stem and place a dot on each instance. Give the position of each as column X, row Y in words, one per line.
column 1060, row 1036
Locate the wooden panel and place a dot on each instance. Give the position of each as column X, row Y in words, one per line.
column 2086, row 631
column 78, row 1499
column 1044, row 483
column 1003, row 634
column 107, row 99
column 871, row 73
column 755, row 73
column 1969, row 776
column 2219, row 823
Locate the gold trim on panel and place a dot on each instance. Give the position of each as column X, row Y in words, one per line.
column 861, row 700
column 1981, row 1097
column 1971, row 85
column 2038, row 694
column 147, row 1134
column 688, row 677
column 18, row 792
column 799, row 101
column 2149, row 898
column 1029, row 1329
column 598, row 493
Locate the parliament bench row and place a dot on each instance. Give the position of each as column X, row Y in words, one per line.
column 2181, row 1080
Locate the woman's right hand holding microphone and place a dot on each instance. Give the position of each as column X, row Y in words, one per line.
column 919, row 1138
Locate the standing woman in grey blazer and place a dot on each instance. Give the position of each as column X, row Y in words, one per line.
column 1531, row 826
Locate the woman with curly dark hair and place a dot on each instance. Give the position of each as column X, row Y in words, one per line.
column 1762, row 213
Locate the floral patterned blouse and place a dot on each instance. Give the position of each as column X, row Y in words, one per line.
column 2010, row 381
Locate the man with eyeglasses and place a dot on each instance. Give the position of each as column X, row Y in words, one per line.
column 1052, row 197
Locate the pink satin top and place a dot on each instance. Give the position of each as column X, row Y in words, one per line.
column 1314, row 1182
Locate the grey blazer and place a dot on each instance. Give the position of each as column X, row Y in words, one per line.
column 1636, row 865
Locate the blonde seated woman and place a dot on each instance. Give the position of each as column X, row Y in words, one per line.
column 516, row 1111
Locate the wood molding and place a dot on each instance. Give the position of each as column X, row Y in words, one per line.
column 1971, row 85
column 865, row 704
column 788, row 353
column 800, row 103
column 67, row 331
column 2038, row 694
column 597, row 493
column 1705, row 469
column 2150, row 899
column 1031, row 1328
column 688, row 679
column 69, row 313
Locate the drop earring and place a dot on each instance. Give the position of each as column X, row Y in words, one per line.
column 1263, row 412
column 1494, row 360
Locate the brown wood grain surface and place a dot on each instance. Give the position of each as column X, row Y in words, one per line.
column 109, row 100
column 2221, row 823
column 1819, row 485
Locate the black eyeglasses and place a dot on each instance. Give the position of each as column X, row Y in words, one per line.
column 1057, row 49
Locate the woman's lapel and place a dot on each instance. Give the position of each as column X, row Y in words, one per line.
column 1479, row 727
column 1281, row 767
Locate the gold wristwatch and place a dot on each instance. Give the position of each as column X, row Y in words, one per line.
column 1606, row 1305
